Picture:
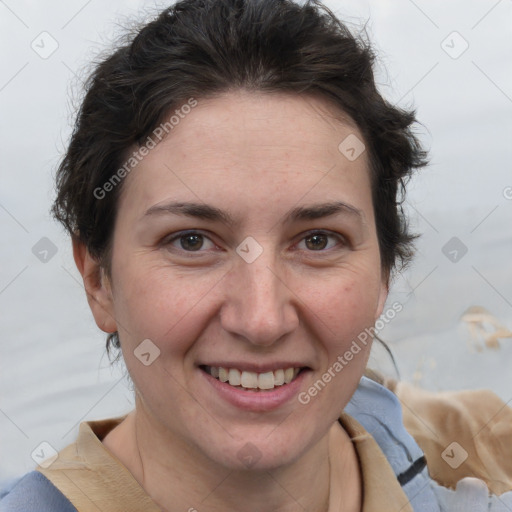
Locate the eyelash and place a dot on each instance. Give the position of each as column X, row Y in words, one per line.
column 183, row 234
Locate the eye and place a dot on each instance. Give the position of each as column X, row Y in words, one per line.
column 195, row 241
column 319, row 241
column 192, row 241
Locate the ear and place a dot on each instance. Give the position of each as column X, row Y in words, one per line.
column 97, row 287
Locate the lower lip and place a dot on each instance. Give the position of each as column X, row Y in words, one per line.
column 257, row 401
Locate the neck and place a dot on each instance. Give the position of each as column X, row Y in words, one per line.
column 180, row 478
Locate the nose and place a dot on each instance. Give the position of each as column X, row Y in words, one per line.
column 259, row 304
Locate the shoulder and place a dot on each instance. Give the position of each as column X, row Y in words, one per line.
column 464, row 436
column 462, row 433
column 33, row 492
column 378, row 411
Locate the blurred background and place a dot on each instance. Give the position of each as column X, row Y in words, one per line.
column 449, row 60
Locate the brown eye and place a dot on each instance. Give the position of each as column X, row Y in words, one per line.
column 316, row 242
column 320, row 241
column 192, row 241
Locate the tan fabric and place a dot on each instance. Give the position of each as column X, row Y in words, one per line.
column 381, row 490
column 94, row 480
column 478, row 421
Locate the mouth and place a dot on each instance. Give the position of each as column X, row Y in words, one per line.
column 254, row 381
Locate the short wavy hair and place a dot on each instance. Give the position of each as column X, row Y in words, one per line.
column 203, row 48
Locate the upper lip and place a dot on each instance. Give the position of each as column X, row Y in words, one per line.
column 256, row 367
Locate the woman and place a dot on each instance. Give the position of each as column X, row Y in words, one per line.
column 232, row 193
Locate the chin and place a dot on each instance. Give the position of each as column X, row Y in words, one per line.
column 261, row 452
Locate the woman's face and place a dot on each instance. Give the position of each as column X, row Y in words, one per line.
column 246, row 240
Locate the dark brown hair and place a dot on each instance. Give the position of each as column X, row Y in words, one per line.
column 202, row 48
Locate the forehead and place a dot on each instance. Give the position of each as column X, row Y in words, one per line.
column 259, row 146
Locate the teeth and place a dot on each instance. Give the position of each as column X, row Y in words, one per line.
column 234, row 377
column 249, row 380
column 278, row 377
column 266, row 380
column 253, row 380
column 223, row 375
column 288, row 375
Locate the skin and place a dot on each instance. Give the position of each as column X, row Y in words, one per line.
column 255, row 156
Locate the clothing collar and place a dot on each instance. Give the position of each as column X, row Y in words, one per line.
column 93, row 479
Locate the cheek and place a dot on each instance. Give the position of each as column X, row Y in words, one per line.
column 346, row 304
column 344, row 317
column 158, row 304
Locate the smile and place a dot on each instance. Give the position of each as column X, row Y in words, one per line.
column 252, row 380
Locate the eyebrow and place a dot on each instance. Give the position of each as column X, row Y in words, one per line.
column 212, row 213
